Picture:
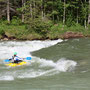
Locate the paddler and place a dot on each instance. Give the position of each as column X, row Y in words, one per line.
column 15, row 58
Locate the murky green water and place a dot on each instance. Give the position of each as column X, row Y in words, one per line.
column 52, row 68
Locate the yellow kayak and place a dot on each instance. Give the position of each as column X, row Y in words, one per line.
column 16, row 64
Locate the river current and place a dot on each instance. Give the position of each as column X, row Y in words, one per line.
column 55, row 65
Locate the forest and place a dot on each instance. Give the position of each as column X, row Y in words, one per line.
column 43, row 19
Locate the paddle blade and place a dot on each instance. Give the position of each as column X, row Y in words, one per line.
column 7, row 60
column 28, row 58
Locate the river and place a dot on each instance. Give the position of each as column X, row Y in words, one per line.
column 55, row 65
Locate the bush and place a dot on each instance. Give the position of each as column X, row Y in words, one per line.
column 55, row 31
column 39, row 26
column 15, row 21
column 1, row 31
column 89, row 27
column 76, row 28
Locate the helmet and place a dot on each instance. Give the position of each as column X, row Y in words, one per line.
column 15, row 53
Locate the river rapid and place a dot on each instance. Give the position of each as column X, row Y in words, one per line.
column 55, row 65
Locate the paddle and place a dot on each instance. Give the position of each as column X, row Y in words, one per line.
column 7, row 60
column 27, row 58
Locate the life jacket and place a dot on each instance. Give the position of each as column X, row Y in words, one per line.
column 16, row 58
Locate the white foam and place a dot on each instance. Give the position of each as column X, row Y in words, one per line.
column 44, row 68
column 23, row 48
column 7, row 78
column 38, row 73
column 61, row 65
column 64, row 65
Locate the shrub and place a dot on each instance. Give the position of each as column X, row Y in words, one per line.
column 76, row 28
column 1, row 31
column 39, row 26
column 15, row 21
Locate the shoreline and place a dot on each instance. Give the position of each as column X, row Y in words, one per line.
column 66, row 35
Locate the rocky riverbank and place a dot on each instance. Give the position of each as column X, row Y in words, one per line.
column 66, row 35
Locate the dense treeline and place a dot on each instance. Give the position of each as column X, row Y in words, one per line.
column 46, row 16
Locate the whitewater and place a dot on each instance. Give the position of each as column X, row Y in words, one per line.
column 36, row 67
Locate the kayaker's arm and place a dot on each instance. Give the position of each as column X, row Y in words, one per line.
column 19, row 58
column 11, row 58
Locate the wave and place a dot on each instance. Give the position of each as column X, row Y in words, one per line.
column 40, row 67
column 37, row 66
column 23, row 48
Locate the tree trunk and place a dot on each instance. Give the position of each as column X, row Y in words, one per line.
column 77, row 15
column 8, row 11
column 34, row 5
column 42, row 9
column 85, row 21
column 53, row 16
column 22, row 12
column 31, row 10
column 14, row 1
column 89, row 14
column 64, row 13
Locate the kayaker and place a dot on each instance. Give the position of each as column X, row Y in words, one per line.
column 15, row 58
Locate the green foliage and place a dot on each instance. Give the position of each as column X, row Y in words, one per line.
column 88, row 27
column 1, row 31
column 39, row 26
column 15, row 21
column 76, row 28
column 44, row 18
column 70, row 22
column 55, row 31
column 58, row 30
column 4, row 22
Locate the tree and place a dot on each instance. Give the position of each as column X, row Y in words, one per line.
column 89, row 13
column 8, row 11
column 31, row 11
column 85, row 21
column 7, row 8
column 22, row 11
column 64, row 13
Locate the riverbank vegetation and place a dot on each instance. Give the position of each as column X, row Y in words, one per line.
column 43, row 19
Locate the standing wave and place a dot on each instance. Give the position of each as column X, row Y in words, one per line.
column 37, row 66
